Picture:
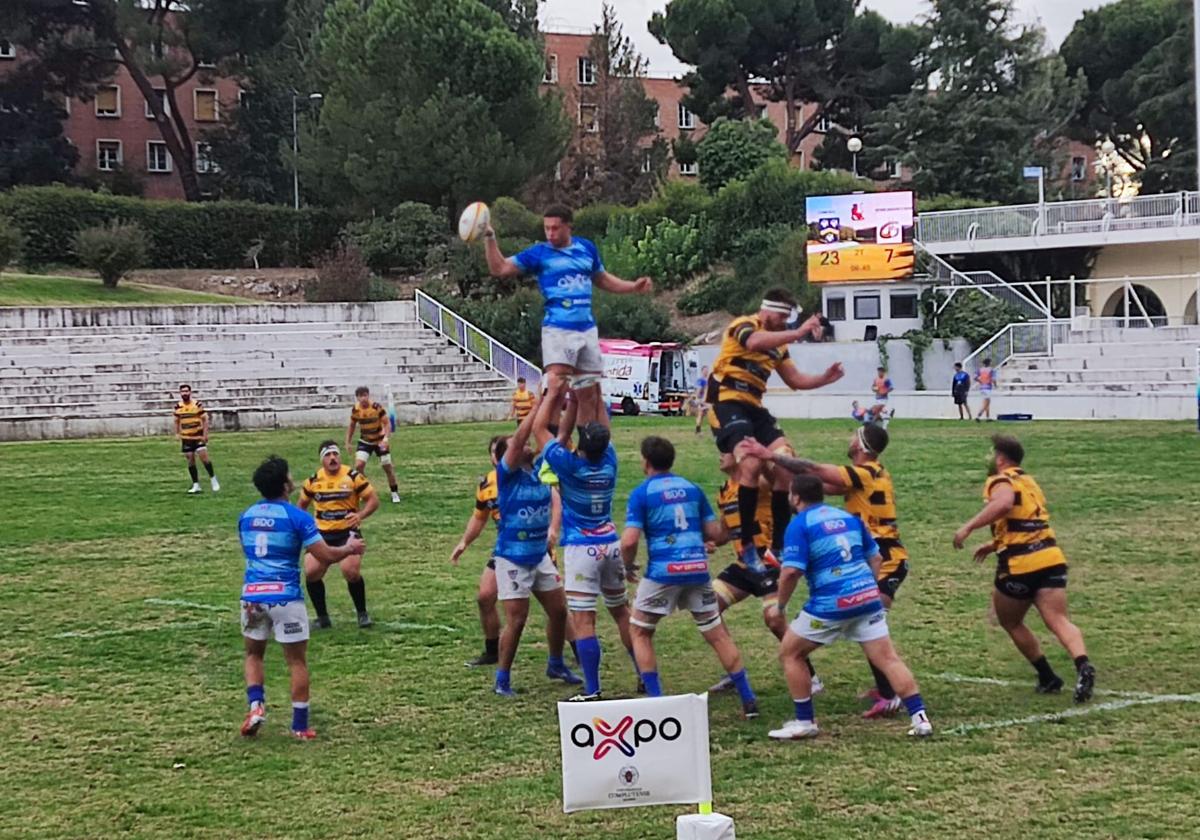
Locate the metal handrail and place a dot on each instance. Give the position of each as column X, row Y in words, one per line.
column 496, row 355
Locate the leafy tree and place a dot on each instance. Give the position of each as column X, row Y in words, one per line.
column 735, row 148
column 80, row 44
column 33, row 149
column 406, row 117
column 1138, row 60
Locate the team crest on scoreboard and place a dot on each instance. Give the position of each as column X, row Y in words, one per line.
column 828, row 229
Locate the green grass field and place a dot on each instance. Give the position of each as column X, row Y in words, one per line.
column 120, row 710
column 46, row 290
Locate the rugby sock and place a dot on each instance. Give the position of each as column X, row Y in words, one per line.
column 653, row 686
column 742, row 683
column 781, row 515
column 194, row 473
column 299, row 716
column 358, row 594
column 589, row 659
column 804, row 709
column 256, row 696
column 492, row 647
column 395, row 488
column 747, row 513
column 1045, row 672
column 881, row 683
column 916, row 707
column 316, row 591
column 208, row 467
column 503, row 680
column 1080, row 661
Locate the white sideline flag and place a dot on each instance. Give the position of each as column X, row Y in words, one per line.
column 625, row 753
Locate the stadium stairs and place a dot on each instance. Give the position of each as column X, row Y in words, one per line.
column 86, row 372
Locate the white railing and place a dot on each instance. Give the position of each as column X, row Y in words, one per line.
column 1061, row 218
column 1028, row 338
column 475, row 341
column 987, row 282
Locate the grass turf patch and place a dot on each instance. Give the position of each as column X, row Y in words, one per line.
column 46, row 290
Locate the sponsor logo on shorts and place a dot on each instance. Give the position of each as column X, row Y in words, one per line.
column 656, row 601
column 875, row 619
column 291, row 628
column 858, row 598
column 815, row 624
column 625, row 736
column 512, row 574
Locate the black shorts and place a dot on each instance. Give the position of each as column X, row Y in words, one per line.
column 890, row 582
column 188, row 446
column 758, row 585
column 337, row 539
column 1025, row 587
column 737, row 420
column 371, row 448
column 960, row 397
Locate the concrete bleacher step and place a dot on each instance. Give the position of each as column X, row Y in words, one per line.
column 1107, row 362
column 1090, row 388
column 1099, row 377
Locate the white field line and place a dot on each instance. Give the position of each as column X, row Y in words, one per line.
column 405, row 625
column 172, row 602
column 101, row 634
column 959, row 678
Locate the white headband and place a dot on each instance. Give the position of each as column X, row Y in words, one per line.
column 330, row 448
column 862, row 440
column 778, row 306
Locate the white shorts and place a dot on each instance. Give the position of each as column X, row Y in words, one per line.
column 289, row 621
column 517, row 582
column 823, row 631
column 985, row 390
column 663, row 599
column 593, row 568
column 579, row 349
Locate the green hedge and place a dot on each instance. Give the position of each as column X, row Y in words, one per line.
column 181, row 235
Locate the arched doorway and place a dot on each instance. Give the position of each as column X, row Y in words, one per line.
column 1189, row 311
column 1138, row 306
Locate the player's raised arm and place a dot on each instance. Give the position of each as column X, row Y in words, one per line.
column 516, row 446
column 795, row 379
column 499, row 266
column 760, row 341
column 548, row 409
column 1000, row 502
column 831, row 475
column 610, row 282
column 566, row 426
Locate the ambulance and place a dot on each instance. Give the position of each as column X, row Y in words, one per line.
column 656, row 378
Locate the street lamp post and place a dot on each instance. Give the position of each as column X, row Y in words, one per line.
column 313, row 98
column 854, row 146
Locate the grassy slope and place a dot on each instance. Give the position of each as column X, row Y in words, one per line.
column 412, row 744
column 43, row 290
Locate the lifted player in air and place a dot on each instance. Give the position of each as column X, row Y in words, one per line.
column 1031, row 569
column 191, row 427
column 566, row 267
column 487, row 507
column 755, row 346
column 342, row 499
column 839, row 559
column 373, row 424
column 867, row 487
column 677, row 520
column 274, row 533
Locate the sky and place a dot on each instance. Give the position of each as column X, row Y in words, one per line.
column 1057, row 16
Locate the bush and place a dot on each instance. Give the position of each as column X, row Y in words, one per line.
column 634, row 317
column 342, row 275
column 399, row 241
column 666, row 251
column 180, row 235
column 591, row 222
column 735, row 148
column 950, row 201
column 515, row 320
column 970, row 315
column 111, row 250
column 11, row 243
column 512, row 218
column 713, row 293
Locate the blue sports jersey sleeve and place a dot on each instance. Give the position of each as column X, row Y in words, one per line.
column 529, row 260
column 597, row 263
column 635, row 510
column 306, row 526
column 707, row 514
column 795, row 544
column 560, row 459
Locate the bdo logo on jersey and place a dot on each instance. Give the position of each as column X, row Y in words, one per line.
column 625, row 736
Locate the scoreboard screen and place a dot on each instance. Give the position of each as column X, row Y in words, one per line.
column 860, row 237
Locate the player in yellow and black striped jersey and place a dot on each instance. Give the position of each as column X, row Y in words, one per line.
column 522, row 402
column 374, row 425
column 487, row 508
column 191, row 427
column 1031, row 570
column 753, row 348
column 341, row 498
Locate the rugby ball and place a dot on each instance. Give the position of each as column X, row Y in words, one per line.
column 473, row 221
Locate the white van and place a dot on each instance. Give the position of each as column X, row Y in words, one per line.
column 657, row 378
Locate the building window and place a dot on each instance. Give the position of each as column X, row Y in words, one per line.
column 108, row 155
column 895, row 170
column 823, row 124
column 689, row 168
column 205, row 105
column 800, row 159
column 1078, row 169
column 587, row 71
column 657, row 115
column 866, row 307
column 108, row 101
column 243, row 98
column 7, row 50
column 686, row 118
column 558, row 171
column 588, row 118
column 588, row 171
column 904, row 305
column 158, row 159
column 161, row 93
column 647, row 163
column 762, row 112
column 835, row 308
column 204, row 162
column 550, row 74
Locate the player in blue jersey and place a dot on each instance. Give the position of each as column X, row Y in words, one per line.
column 677, row 520
column 275, row 534
column 839, row 559
column 523, row 564
column 566, row 268
column 587, row 480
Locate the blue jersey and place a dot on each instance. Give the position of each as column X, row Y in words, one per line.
column 524, row 515
column 962, row 381
column 565, row 277
column 587, row 491
column 672, row 512
column 274, row 536
column 832, row 547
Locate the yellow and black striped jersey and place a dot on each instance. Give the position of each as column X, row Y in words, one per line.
column 727, row 501
column 372, row 421
column 334, row 497
column 1024, row 540
column 872, row 499
column 741, row 374
column 487, row 498
column 522, row 401
column 191, row 419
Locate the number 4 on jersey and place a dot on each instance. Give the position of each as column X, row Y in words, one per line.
column 680, row 518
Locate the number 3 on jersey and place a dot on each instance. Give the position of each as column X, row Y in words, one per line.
column 680, row 518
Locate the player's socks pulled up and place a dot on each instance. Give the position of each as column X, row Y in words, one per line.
column 886, row 692
column 299, row 717
column 256, row 695
column 747, row 510
column 742, row 683
column 316, row 593
column 781, row 512
column 653, row 686
column 208, row 467
column 358, row 594
column 588, row 650
column 804, row 708
column 194, row 473
column 915, row 706
column 503, row 684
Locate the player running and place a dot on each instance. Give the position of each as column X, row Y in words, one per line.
column 523, row 564
column 699, row 401
column 677, row 521
column 274, row 534
column 986, row 377
column 867, row 487
column 839, row 559
column 487, row 507
column 1031, row 570
column 191, row 427
column 566, row 268
column 342, row 498
column 373, row 424
column 754, row 346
